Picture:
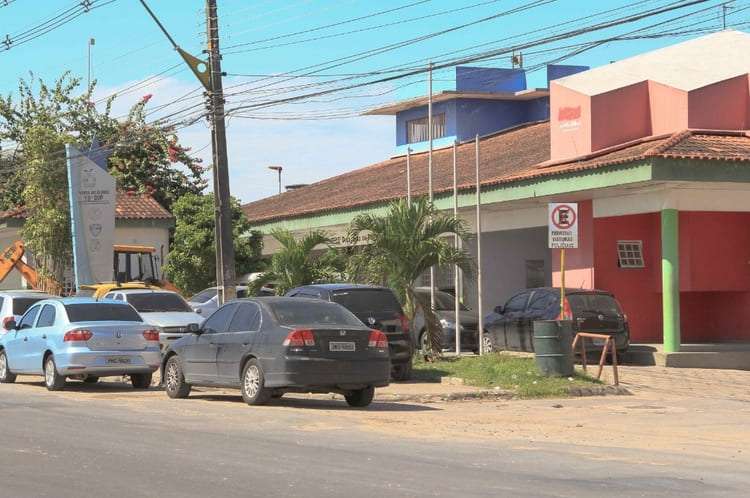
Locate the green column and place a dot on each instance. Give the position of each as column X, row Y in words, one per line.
column 670, row 278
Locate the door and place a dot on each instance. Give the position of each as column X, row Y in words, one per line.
column 240, row 338
column 200, row 354
column 516, row 334
column 21, row 346
column 538, row 309
column 37, row 338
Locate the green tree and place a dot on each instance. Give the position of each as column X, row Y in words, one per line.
column 192, row 259
column 403, row 244
column 296, row 264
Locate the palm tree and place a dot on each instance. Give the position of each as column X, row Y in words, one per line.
column 403, row 244
column 295, row 264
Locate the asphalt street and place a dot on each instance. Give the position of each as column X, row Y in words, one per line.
column 111, row 441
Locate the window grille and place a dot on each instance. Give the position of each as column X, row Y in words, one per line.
column 630, row 253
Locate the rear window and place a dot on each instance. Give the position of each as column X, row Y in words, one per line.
column 21, row 304
column 101, row 312
column 367, row 300
column 594, row 303
column 296, row 312
column 149, row 302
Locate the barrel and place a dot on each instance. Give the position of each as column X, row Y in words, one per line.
column 553, row 347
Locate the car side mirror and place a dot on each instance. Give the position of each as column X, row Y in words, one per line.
column 194, row 328
column 499, row 310
column 9, row 324
column 199, row 311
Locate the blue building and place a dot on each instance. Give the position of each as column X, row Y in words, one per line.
column 485, row 100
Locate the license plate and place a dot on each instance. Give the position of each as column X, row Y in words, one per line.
column 598, row 342
column 341, row 346
column 118, row 360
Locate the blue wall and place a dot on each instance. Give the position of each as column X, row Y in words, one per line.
column 489, row 79
column 449, row 108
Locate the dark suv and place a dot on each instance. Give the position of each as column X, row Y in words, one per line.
column 378, row 308
column 511, row 327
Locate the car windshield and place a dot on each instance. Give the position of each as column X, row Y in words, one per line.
column 443, row 300
column 101, row 312
column 299, row 312
column 367, row 300
column 204, row 295
column 149, row 302
column 594, row 303
column 21, row 304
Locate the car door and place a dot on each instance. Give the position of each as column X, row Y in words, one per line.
column 200, row 354
column 21, row 347
column 516, row 337
column 538, row 309
column 38, row 336
column 239, row 339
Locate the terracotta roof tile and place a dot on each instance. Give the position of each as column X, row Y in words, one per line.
column 129, row 207
column 513, row 155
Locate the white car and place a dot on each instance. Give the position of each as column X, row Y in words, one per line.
column 166, row 311
column 14, row 303
column 207, row 300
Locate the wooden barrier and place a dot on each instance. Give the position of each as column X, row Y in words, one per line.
column 609, row 343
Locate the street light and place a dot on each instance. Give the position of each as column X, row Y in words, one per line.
column 278, row 169
column 92, row 42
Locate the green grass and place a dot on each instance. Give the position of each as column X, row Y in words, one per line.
column 501, row 370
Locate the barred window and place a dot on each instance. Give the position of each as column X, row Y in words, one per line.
column 630, row 253
column 416, row 129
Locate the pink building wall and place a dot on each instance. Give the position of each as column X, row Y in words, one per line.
column 620, row 116
column 721, row 106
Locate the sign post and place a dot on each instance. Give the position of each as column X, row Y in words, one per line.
column 562, row 224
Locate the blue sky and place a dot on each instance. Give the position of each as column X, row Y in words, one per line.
column 129, row 48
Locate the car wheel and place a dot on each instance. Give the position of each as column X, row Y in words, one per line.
column 361, row 397
column 141, row 381
column 174, row 382
column 53, row 380
column 488, row 346
column 91, row 379
column 424, row 343
column 254, row 391
column 6, row 377
column 402, row 371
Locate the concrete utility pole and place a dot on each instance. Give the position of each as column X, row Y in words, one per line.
column 457, row 270
column 90, row 44
column 429, row 173
column 480, row 324
column 408, row 176
column 278, row 169
column 225, row 277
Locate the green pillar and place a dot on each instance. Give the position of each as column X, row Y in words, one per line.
column 670, row 278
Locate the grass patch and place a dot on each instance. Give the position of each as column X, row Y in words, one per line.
column 514, row 373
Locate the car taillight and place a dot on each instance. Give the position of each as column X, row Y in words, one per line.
column 404, row 323
column 299, row 338
column 377, row 340
column 567, row 312
column 151, row 335
column 78, row 335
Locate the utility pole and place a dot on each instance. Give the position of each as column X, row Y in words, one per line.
column 277, row 169
column 209, row 74
column 225, row 277
column 429, row 172
column 91, row 44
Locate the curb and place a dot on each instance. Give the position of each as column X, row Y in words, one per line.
column 498, row 394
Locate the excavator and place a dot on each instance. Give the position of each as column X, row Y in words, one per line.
column 134, row 266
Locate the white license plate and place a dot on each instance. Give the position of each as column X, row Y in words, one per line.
column 118, row 360
column 341, row 346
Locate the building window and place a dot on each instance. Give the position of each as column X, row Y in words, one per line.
column 630, row 254
column 416, row 129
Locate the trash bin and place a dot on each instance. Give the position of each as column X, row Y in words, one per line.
column 553, row 347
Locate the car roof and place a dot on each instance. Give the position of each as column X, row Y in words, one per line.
column 88, row 300
column 568, row 290
column 142, row 291
column 341, row 286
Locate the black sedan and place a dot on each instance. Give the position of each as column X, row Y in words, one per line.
column 269, row 346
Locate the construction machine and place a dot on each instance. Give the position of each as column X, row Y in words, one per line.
column 134, row 266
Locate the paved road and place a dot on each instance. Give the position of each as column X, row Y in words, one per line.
column 110, row 441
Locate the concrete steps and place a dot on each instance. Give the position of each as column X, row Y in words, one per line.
column 731, row 356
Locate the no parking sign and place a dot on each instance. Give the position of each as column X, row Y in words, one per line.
column 563, row 225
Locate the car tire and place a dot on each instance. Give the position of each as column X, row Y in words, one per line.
column 402, row 371
column 253, row 382
column 91, row 379
column 52, row 379
column 488, row 345
column 141, row 381
column 174, row 382
column 6, row 376
column 360, row 397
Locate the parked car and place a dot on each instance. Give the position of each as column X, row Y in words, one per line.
column 207, row 300
column 269, row 346
column 14, row 303
column 445, row 309
column 81, row 338
column 510, row 327
column 166, row 311
column 376, row 307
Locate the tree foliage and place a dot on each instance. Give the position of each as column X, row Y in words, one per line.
column 402, row 245
column 192, row 258
column 296, row 264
